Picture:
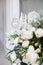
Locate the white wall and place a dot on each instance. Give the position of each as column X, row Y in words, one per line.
column 30, row 5
column 12, row 10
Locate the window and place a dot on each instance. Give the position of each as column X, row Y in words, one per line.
column 30, row 5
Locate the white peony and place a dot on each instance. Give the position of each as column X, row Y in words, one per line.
column 25, row 44
column 33, row 16
column 26, row 34
column 31, row 55
column 39, row 33
column 13, row 56
column 12, row 43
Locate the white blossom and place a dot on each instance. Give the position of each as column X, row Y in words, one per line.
column 31, row 55
column 33, row 16
column 24, row 28
column 13, row 56
column 38, row 50
column 31, row 49
column 14, row 64
column 25, row 43
column 39, row 33
column 33, row 29
column 20, row 40
column 26, row 34
column 17, row 61
column 12, row 43
column 25, row 60
column 36, row 63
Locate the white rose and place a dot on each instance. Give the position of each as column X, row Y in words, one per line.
column 33, row 16
column 39, row 33
column 26, row 34
column 12, row 43
column 31, row 55
column 25, row 44
column 13, row 56
column 14, row 64
column 17, row 61
column 25, row 60
column 31, row 49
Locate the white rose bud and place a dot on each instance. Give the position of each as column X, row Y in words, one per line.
column 31, row 49
column 36, row 44
column 38, row 50
column 25, row 43
column 13, row 56
column 39, row 33
column 20, row 41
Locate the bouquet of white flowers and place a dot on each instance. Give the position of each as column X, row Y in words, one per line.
column 25, row 44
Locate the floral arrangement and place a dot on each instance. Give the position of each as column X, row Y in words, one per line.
column 25, row 44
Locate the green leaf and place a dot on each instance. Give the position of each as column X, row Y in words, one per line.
column 13, row 36
column 22, row 63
